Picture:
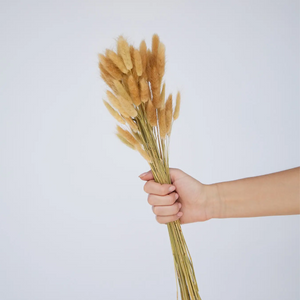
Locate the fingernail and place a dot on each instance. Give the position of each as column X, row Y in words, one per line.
column 142, row 175
column 180, row 214
column 176, row 196
column 180, row 205
column 172, row 188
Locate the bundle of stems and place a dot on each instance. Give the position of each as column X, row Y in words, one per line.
column 138, row 102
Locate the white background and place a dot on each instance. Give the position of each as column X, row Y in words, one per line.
column 74, row 219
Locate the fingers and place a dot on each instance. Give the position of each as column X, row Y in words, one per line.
column 162, row 200
column 146, row 176
column 152, row 187
column 165, row 220
column 163, row 211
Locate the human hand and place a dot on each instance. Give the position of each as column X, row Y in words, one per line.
column 186, row 198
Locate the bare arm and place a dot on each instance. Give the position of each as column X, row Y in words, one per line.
column 190, row 201
column 267, row 195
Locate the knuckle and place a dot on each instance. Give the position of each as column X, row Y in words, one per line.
column 150, row 199
column 154, row 209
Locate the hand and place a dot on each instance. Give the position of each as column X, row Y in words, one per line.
column 186, row 198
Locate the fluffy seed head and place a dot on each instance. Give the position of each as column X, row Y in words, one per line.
column 127, row 106
column 127, row 136
column 117, row 60
column 161, row 60
column 155, row 45
column 163, row 96
column 114, row 113
column 116, row 103
column 124, row 52
column 122, row 91
column 151, row 114
column 162, row 123
column 177, row 107
column 124, row 141
column 143, row 153
column 110, row 67
column 108, row 79
column 144, row 90
column 169, row 114
column 138, row 62
column 143, row 53
column 134, row 90
column 155, row 87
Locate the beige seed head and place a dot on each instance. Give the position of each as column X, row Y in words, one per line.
column 149, row 64
column 117, row 60
column 124, row 52
column 132, row 124
column 151, row 114
column 114, row 113
column 116, row 103
column 134, row 90
column 177, row 107
column 144, row 90
column 133, row 70
column 143, row 53
column 122, row 91
column 127, row 106
column 107, row 78
column 124, row 141
column 110, row 67
column 155, row 87
column 162, row 123
column 169, row 113
column 138, row 62
column 127, row 136
column 163, row 96
column 155, row 45
column 143, row 153
column 161, row 60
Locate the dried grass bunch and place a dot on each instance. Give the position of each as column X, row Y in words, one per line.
column 138, row 102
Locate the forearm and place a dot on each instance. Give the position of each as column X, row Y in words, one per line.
column 267, row 195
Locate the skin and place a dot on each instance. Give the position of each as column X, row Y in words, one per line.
column 191, row 201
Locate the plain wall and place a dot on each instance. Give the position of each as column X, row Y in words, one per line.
column 74, row 219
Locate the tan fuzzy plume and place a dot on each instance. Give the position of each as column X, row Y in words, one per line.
column 124, row 141
column 134, row 90
column 143, row 153
column 127, row 136
column 155, row 45
column 110, row 67
column 149, row 64
column 116, row 103
column 108, row 79
column 151, row 114
column 117, row 60
column 143, row 53
column 127, row 106
column 169, row 113
column 132, row 124
column 161, row 60
column 133, row 70
column 124, row 52
column 177, row 107
column 163, row 96
column 114, row 113
column 144, row 90
column 138, row 62
column 122, row 91
column 162, row 123
column 155, row 87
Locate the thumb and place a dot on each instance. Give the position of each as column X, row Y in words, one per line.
column 147, row 176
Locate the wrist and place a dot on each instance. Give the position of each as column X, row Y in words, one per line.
column 214, row 203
